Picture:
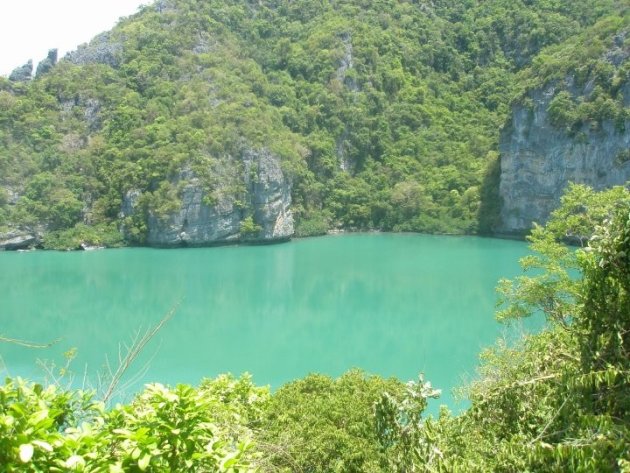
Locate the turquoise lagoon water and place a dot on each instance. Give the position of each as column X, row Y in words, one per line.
column 391, row 304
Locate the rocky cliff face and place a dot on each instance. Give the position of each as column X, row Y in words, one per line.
column 538, row 160
column 261, row 213
column 17, row 240
column 103, row 49
column 14, row 238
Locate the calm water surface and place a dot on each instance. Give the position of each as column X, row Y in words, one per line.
column 394, row 305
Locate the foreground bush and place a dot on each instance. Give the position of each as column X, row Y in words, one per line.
column 321, row 424
column 161, row 430
column 559, row 401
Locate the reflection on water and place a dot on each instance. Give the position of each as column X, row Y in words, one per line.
column 390, row 304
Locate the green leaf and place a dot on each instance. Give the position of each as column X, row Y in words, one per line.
column 38, row 417
column 43, row 445
column 230, row 460
column 26, row 452
column 143, row 463
column 116, row 468
column 75, row 462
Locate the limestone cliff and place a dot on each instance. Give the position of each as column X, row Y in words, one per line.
column 539, row 159
column 15, row 238
column 103, row 49
column 259, row 211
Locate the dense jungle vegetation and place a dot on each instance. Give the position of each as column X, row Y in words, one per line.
column 558, row 401
column 386, row 114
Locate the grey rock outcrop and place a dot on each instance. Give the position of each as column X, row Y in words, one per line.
column 346, row 64
column 195, row 223
column 538, row 160
column 164, row 6
column 270, row 193
column 17, row 240
column 90, row 108
column 23, row 73
column 130, row 203
column 266, row 199
column 46, row 64
column 8, row 195
column 103, row 49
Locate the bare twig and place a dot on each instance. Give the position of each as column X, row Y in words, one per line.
column 25, row 343
column 139, row 374
column 541, row 435
column 279, row 450
column 535, row 380
column 49, row 372
column 3, row 366
column 132, row 352
column 85, row 377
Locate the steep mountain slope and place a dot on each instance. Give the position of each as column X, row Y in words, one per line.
column 571, row 125
column 196, row 122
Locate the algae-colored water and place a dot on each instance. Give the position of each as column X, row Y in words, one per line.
column 391, row 304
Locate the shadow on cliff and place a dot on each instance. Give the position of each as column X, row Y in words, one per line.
column 489, row 216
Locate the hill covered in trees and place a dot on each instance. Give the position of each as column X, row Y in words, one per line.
column 194, row 122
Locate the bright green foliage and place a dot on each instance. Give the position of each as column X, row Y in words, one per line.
column 249, row 228
column 92, row 235
column 320, row 424
column 559, row 400
column 225, row 425
column 32, row 421
column 587, row 63
column 555, row 291
column 583, row 210
column 401, row 433
column 161, row 430
column 180, row 429
column 385, row 114
column 605, row 322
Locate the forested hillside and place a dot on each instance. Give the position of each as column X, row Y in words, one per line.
column 357, row 115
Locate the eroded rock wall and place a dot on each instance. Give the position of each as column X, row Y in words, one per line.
column 538, row 160
column 198, row 221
